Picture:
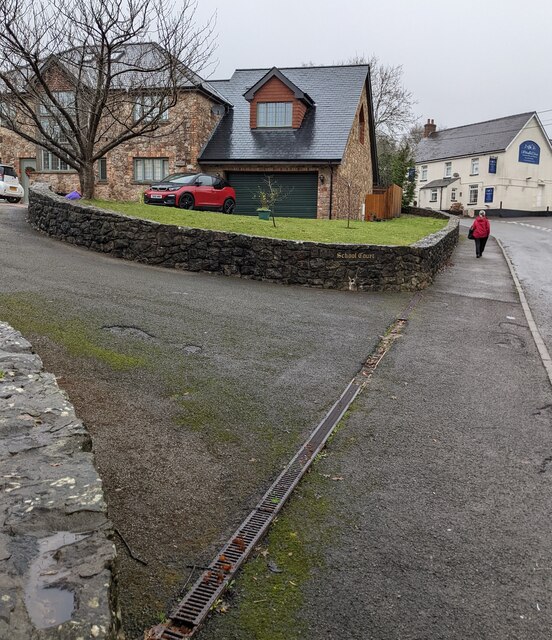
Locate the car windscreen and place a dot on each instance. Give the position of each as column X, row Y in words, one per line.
column 181, row 178
column 7, row 171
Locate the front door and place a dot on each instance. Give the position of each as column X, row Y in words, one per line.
column 26, row 163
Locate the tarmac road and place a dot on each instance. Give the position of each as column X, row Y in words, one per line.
column 196, row 388
column 528, row 242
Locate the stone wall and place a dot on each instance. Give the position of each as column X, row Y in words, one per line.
column 55, row 556
column 332, row 266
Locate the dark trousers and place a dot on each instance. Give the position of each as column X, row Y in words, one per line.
column 480, row 245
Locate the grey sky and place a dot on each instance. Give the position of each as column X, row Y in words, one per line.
column 464, row 61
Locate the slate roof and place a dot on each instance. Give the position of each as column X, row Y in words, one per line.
column 322, row 136
column 471, row 139
column 443, row 182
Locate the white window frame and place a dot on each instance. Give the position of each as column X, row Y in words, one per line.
column 423, row 173
column 51, row 163
column 148, row 170
column 433, row 195
column 473, row 190
column 474, row 167
column 64, row 98
column 156, row 103
column 448, row 169
column 453, row 195
column 274, row 115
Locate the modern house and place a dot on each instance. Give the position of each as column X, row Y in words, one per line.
column 310, row 128
column 503, row 164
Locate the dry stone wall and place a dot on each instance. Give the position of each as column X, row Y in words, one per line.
column 55, row 555
column 331, row 266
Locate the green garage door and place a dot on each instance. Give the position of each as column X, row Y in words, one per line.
column 301, row 190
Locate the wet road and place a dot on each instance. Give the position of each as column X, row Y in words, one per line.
column 528, row 242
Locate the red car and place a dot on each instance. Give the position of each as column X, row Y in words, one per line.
column 193, row 191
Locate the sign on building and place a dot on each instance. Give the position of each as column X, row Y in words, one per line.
column 489, row 194
column 529, row 151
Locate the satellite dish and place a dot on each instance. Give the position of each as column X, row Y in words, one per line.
column 455, row 175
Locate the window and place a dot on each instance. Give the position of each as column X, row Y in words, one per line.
column 361, row 125
column 453, row 195
column 474, row 166
column 53, row 130
column 151, row 107
column 448, row 169
column 433, row 196
column 274, row 114
column 7, row 113
column 205, row 181
column 423, row 175
column 65, row 99
column 102, row 170
column 150, row 169
column 51, row 162
column 474, row 190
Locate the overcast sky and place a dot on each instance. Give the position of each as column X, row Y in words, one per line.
column 463, row 61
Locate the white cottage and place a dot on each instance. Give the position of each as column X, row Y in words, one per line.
column 498, row 164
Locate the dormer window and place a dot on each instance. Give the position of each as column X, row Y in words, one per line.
column 274, row 114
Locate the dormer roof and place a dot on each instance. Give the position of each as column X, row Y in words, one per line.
column 276, row 73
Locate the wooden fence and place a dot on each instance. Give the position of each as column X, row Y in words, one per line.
column 383, row 203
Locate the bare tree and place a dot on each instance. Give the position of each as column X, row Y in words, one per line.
column 81, row 77
column 392, row 101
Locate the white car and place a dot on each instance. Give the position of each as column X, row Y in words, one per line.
column 10, row 189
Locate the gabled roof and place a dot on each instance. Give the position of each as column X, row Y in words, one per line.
column 472, row 139
column 78, row 63
column 276, row 73
column 323, row 134
column 443, row 182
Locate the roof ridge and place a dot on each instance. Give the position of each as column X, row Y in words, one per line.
column 463, row 126
column 318, row 66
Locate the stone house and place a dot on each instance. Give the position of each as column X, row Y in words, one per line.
column 500, row 165
column 311, row 128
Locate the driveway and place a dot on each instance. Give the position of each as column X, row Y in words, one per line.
column 196, row 388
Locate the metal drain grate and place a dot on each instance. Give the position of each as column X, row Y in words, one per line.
column 190, row 612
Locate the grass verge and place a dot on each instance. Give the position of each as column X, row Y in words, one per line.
column 398, row 231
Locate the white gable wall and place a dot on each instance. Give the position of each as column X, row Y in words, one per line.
column 518, row 185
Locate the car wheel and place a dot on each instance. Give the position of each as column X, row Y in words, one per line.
column 13, row 200
column 228, row 206
column 186, row 201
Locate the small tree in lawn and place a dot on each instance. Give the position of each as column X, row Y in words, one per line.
column 121, row 65
column 272, row 194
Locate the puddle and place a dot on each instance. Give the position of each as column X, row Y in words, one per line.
column 47, row 605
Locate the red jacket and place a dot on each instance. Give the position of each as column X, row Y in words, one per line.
column 481, row 227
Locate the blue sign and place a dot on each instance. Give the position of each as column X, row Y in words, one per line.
column 489, row 194
column 492, row 164
column 411, row 174
column 529, row 151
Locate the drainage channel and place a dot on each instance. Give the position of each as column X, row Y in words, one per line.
column 188, row 615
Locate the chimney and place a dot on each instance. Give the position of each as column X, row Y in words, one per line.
column 429, row 128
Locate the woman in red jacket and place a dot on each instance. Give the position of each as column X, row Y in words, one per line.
column 481, row 232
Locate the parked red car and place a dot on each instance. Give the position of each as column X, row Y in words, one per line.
column 193, row 191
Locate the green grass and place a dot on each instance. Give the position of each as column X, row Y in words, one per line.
column 398, row 231
column 32, row 315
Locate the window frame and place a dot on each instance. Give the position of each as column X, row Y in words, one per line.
column 102, row 169
column 52, row 158
column 473, row 188
column 164, row 169
column 269, row 118
column 474, row 167
column 448, row 170
column 161, row 111
column 453, row 195
column 423, row 173
column 433, row 195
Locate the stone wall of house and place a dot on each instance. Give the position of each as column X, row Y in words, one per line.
column 180, row 145
column 323, row 202
column 353, row 178
column 56, row 558
column 332, row 266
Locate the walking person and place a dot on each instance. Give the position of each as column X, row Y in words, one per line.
column 481, row 228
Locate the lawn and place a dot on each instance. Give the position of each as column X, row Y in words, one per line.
column 398, row 231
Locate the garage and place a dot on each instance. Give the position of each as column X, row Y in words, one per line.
column 302, row 190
